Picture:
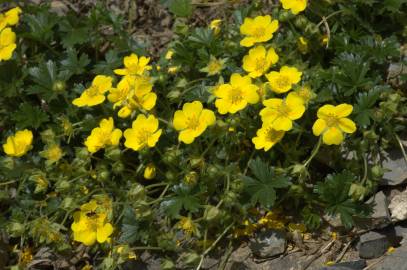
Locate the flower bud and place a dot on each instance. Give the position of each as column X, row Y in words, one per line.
column 300, row 21
column 59, row 86
column 149, row 171
column 137, row 192
column 113, row 153
column 191, row 178
column 118, row 167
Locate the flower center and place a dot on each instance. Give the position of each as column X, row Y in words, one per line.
column 259, row 32
column 260, row 64
column 214, row 67
column 273, row 135
column 331, row 120
column 284, row 110
column 193, row 122
column 282, row 81
column 236, row 95
column 93, row 91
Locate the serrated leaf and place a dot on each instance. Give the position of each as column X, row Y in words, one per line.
column 364, row 106
column 183, row 199
column 75, row 36
column 262, row 188
column 130, row 226
column 74, row 64
column 29, row 116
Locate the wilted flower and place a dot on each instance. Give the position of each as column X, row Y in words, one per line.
column 192, row 121
column 19, row 144
column 332, row 122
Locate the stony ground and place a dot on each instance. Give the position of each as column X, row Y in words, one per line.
column 378, row 243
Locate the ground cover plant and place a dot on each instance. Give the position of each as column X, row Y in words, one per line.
column 273, row 115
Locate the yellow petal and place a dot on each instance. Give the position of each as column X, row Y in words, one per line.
column 104, row 232
column 247, row 42
column 343, row 110
column 347, row 125
column 87, row 237
column 149, row 101
column 186, row 136
column 180, row 121
column 325, row 111
column 282, row 123
column 153, row 139
column 332, row 136
column 192, row 108
column 207, row 117
column 115, row 136
column 222, row 105
column 319, row 127
column 250, row 94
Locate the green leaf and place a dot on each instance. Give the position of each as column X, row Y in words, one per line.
column 29, row 116
column 75, row 36
column 262, row 188
column 183, row 199
column 181, row 8
column 73, row 64
column 130, row 227
column 364, row 107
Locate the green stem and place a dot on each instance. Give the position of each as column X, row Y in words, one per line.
column 314, row 152
column 365, row 170
column 8, row 182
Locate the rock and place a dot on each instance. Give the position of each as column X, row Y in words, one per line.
column 268, row 243
column 397, row 167
column 398, row 207
column 394, row 261
column 352, row 265
column 380, row 217
column 401, row 231
column 373, row 245
column 334, row 221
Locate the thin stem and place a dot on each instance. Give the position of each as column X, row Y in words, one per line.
column 401, row 147
column 314, row 152
column 8, row 182
column 365, row 169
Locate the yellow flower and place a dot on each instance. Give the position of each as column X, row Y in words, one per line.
column 149, row 171
column 19, row 144
column 302, row 44
column 267, row 137
column 91, row 225
column 133, row 65
column 103, row 135
column 25, row 256
column 187, row 225
column 247, row 229
column 332, row 122
column 7, row 44
column 173, row 69
column 192, row 121
column 214, row 66
column 52, row 153
column 132, row 93
column 94, row 95
column 257, row 30
column 258, row 61
column 144, row 133
column 281, row 113
column 11, row 17
column 235, row 96
column 169, row 54
column 215, row 26
column 296, row 6
column 305, row 93
column 281, row 82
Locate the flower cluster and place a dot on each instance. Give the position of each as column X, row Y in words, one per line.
column 91, row 224
column 7, row 36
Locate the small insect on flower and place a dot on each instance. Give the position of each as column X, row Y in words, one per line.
column 281, row 113
column 19, row 144
column 91, row 225
column 103, row 135
column 257, row 30
column 192, row 121
column 7, row 44
column 134, row 65
column 144, row 133
column 332, row 122
column 214, row 66
column 267, row 137
column 281, row 82
column 296, row 6
column 94, row 95
column 259, row 60
column 234, row 96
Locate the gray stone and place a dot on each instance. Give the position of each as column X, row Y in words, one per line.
column 397, row 167
column 398, row 206
column 394, row 261
column 352, row 265
column 268, row 243
column 380, row 217
column 373, row 245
